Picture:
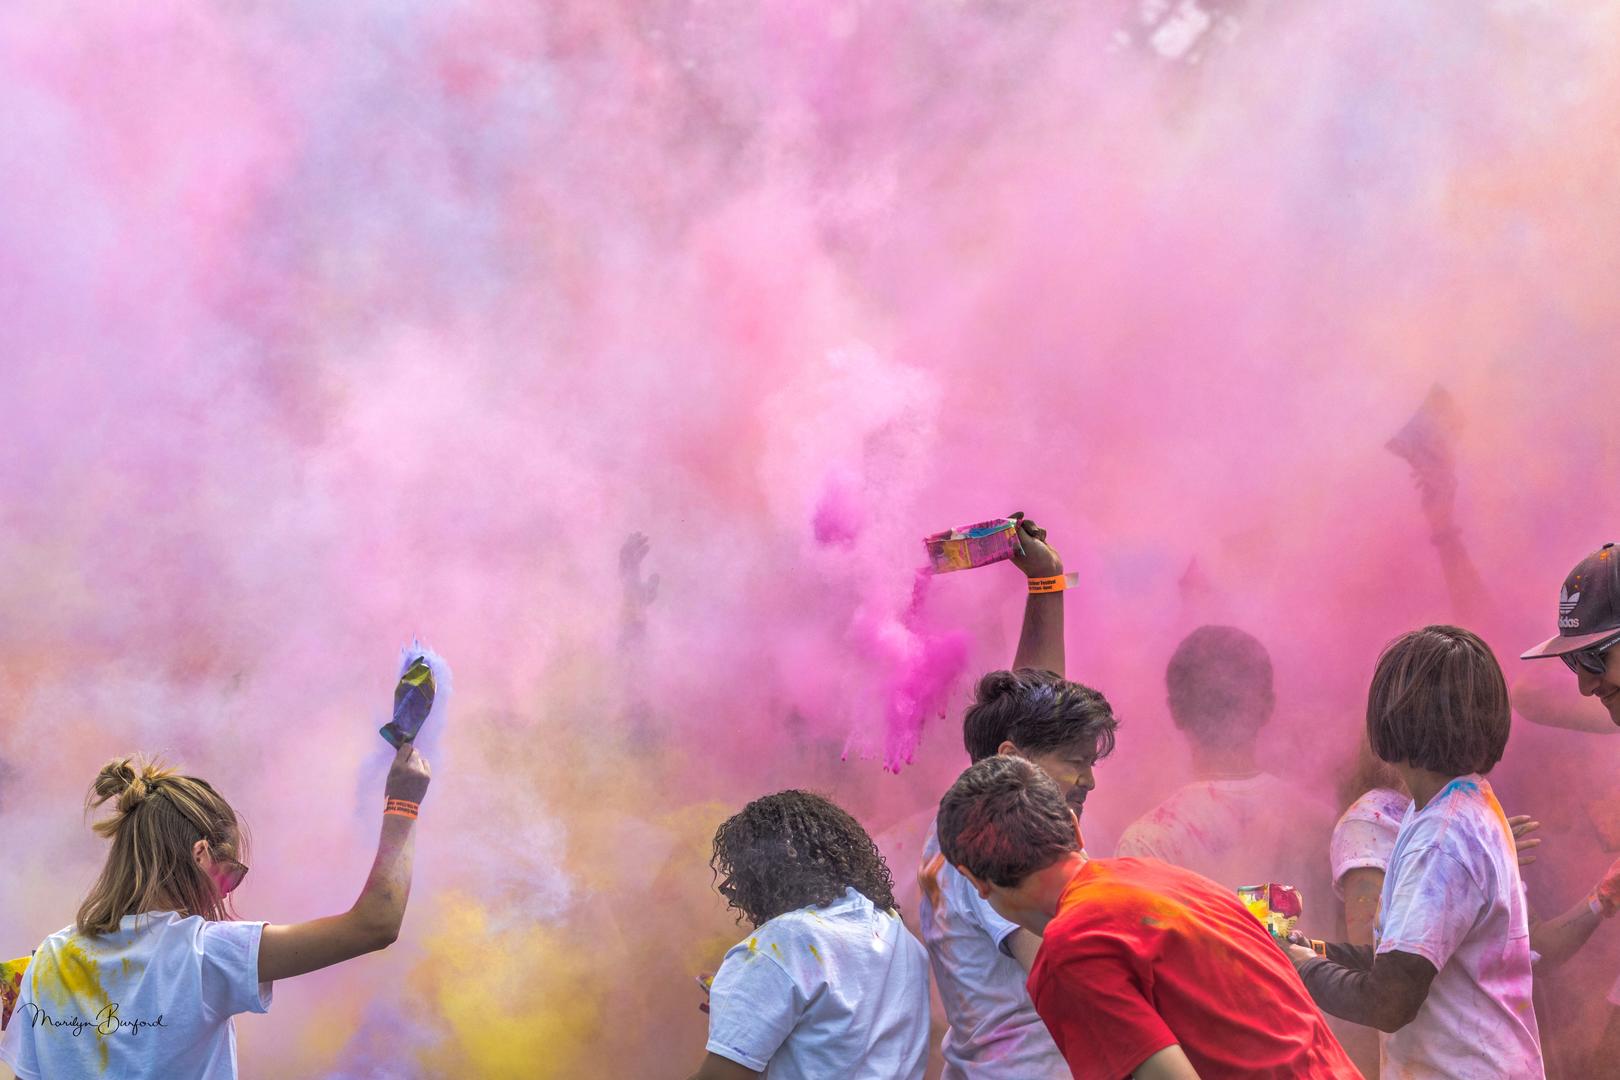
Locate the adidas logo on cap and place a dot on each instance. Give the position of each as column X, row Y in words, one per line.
column 1566, row 604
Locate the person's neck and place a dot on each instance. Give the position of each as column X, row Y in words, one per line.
column 1049, row 885
column 1423, row 784
column 1224, row 762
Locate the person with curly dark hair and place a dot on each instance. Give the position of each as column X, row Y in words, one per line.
column 830, row 983
column 980, row 959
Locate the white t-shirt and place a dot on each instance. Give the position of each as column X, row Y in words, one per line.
column 995, row 1033
column 154, row 999
column 1365, row 835
column 1452, row 896
column 838, row 991
column 1243, row 832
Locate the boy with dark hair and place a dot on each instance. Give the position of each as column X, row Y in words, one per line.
column 1144, row 969
column 830, row 983
column 1449, row 978
column 981, row 960
column 1234, row 823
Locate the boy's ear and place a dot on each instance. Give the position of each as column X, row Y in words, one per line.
column 982, row 886
column 1007, row 749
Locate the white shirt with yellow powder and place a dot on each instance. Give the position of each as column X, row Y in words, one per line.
column 836, row 991
column 154, row 999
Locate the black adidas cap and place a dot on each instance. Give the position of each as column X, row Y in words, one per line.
column 1588, row 605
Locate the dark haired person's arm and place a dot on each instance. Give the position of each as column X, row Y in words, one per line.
column 373, row 922
column 715, row 1067
column 1561, row 937
column 1168, row 1064
column 1023, row 947
column 1542, row 693
column 1040, row 641
column 1557, row 939
column 1384, row 991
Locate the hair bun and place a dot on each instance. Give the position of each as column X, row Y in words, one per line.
column 1002, row 684
column 121, row 780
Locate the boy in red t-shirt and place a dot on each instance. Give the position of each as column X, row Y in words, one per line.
column 1144, row 969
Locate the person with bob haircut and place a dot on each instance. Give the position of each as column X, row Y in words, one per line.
column 1448, row 980
column 144, row 985
column 1144, row 969
column 830, row 983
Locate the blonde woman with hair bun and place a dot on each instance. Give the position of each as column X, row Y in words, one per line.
column 144, row 984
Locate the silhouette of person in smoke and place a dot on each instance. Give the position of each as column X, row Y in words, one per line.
column 1233, row 823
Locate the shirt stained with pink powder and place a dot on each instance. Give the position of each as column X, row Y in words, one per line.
column 1247, row 831
column 1364, row 838
column 1452, row 895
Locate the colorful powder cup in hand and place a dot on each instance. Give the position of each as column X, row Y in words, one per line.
column 413, row 701
column 11, row 973
column 972, row 545
column 1278, row 907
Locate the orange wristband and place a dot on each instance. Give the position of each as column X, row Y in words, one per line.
column 1040, row 585
column 401, row 808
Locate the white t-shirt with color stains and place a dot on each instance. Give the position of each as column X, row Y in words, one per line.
column 1247, row 831
column 1452, row 896
column 995, row 1032
column 1365, row 835
column 151, row 1001
column 836, row 991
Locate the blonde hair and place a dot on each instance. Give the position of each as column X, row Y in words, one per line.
column 159, row 816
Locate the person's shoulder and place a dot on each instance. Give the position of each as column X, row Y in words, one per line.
column 1102, row 912
column 1451, row 823
column 1156, row 832
column 66, row 938
column 68, row 933
column 1127, row 877
column 1288, row 796
column 1108, row 889
column 815, row 920
column 1378, row 806
column 1467, row 811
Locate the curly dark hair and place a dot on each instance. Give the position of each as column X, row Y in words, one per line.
column 795, row 849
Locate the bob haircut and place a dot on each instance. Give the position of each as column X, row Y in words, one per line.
column 1438, row 702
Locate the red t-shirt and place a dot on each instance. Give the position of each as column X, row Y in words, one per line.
column 1143, row 955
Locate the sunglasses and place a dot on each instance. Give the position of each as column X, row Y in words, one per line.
column 231, row 875
column 1589, row 660
column 228, row 873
